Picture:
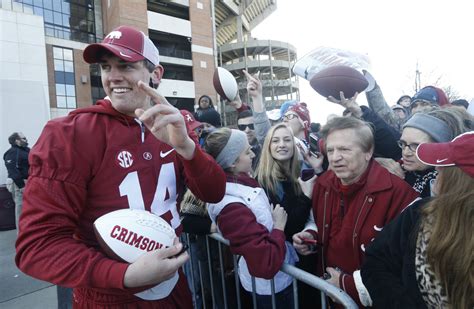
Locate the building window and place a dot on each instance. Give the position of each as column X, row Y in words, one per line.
column 64, row 78
column 177, row 72
column 64, row 19
column 97, row 90
column 172, row 45
column 168, row 8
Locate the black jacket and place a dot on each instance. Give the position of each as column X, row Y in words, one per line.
column 297, row 208
column 16, row 161
column 385, row 136
column 388, row 271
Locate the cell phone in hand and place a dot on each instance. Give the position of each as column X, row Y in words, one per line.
column 309, row 241
column 314, row 144
column 312, row 244
column 307, row 174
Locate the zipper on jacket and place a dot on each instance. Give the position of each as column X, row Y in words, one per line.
column 354, row 233
column 342, row 206
column 142, row 129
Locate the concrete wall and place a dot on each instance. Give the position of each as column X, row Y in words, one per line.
column 24, row 101
column 176, row 88
column 169, row 24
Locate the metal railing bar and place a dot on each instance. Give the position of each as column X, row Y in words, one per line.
column 312, row 280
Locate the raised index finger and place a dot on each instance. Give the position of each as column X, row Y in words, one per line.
column 154, row 95
column 254, row 78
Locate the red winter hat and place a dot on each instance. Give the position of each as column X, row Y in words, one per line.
column 302, row 111
column 189, row 118
column 127, row 43
column 458, row 153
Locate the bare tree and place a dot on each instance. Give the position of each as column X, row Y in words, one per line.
column 433, row 78
column 451, row 93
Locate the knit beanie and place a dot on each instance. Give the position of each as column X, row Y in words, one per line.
column 434, row 127
column 434, row 95
column 302, row 111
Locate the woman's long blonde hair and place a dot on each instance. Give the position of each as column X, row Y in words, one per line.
column 270, row 171
column 450, row 217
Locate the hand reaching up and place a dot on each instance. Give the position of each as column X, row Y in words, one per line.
column 349, row 104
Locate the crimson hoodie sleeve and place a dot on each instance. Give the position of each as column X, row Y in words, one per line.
column 347, row 284
column 53, row 203
column 263, row 251
column 243, row 107
column 204, row 177
column 45, row 246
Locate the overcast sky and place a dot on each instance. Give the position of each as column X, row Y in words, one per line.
column 439, row 35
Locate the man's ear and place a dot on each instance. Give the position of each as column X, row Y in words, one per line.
column 370, row 154
column 157, row 75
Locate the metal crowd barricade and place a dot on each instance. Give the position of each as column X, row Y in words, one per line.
column 326, row 289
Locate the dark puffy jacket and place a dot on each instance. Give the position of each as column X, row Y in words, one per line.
column 16, row 161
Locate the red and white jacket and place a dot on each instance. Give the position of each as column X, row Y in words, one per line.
column 348, row 219
column 94, row 161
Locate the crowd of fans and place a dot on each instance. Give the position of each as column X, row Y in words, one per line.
column 378, row 201
column 339, row 199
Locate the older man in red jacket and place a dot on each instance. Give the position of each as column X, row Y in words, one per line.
column 352, row 202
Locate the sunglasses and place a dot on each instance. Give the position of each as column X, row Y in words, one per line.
column 242, row 127
column 403, row 144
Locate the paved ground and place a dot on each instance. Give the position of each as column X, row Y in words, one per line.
column 17, row 290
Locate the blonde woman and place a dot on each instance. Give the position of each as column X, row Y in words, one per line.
column 424, row 259
column 278, row 173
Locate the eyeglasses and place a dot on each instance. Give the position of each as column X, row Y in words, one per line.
column 403, row 144
column 242, row 127
column 290, row 116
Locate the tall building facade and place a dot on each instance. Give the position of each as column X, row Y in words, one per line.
column 182, row 30
column 43, row 75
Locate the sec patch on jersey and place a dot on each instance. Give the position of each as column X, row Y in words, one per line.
column 126, row 234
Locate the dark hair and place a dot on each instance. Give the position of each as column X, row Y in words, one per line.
column 461, row 102
column 244, row 114
column 12, row 138
column 149, row 65
column 315, row 127
column 205, row 96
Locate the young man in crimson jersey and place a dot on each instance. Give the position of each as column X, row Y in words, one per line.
column 130, row 150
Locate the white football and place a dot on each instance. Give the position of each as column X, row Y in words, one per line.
column 126, row 234
column 225, row 84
